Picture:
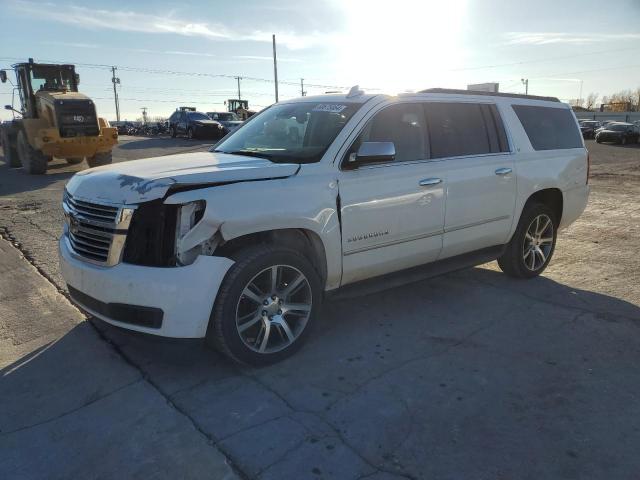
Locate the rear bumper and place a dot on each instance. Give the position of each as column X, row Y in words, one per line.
column 574, row 202
column 170, row 302
column 68, row 147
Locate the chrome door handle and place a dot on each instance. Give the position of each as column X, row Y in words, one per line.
column 503, row 171
column 430, row 181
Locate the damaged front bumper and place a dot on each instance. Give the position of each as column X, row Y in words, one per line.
column 170, row 302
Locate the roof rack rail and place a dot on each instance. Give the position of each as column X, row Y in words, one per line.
column 489, row 94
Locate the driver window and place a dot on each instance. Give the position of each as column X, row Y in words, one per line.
column 404, row 125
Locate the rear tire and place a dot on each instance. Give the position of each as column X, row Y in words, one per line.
column 623, row 141
column 74, row 160
column 33, row 161
column 257, row 320
column 10, row 150
column 533, row 243
column 100, row 159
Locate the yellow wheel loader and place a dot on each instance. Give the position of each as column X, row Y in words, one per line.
column 57, row 120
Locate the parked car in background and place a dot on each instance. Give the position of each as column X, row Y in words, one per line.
column 229, row 120
column 195, row 125
column 589, row 127
column 240, row 243
column 618, row 132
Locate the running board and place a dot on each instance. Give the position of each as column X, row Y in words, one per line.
column 416, row 274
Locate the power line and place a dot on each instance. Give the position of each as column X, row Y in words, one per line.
column 540, row 60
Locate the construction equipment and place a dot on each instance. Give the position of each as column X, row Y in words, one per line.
column 56, row 120
column 240, row 108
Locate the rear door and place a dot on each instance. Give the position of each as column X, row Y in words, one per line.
column 481, row 187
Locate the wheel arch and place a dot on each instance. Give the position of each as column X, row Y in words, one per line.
column 552, row 197
column 300, row 239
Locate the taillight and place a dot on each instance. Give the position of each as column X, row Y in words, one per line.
column 588, row 166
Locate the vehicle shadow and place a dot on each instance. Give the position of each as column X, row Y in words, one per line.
column 512, row 363
column 15, row 180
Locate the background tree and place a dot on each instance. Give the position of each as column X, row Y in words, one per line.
column 592, row 98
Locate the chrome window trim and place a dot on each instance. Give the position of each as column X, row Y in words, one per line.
column 362, row 124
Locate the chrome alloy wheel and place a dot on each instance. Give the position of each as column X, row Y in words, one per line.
column 274, row 309
column 538, row 242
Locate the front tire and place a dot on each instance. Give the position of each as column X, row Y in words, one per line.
column 190, row 133
column 33, row 161
column 100, row 159
column 266, row 306
column 9, row 150
column 173, row 132
column 532, row 245
column 74, row 160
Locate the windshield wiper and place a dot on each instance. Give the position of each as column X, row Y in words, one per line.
column 248, row 153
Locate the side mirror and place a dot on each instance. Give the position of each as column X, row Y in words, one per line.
column 8, row 107
column 372, row 152
column 3, row 76
column 77, row 79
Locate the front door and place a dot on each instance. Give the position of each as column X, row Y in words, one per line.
column 392, row 213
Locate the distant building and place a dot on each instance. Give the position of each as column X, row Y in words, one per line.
column 484, row 87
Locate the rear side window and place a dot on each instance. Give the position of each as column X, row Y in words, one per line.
column 549, row 128
column 459, row 129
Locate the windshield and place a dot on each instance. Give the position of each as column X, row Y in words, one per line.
column 52, row 79
column 198, row 116
column 224, row 117
column 618, row 127
column 296, row 133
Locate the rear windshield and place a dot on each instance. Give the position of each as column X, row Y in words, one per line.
column 549, row 128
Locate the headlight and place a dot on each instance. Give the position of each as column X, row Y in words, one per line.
column 189, row 214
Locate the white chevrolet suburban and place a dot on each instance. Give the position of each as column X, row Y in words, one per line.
column 239, row 244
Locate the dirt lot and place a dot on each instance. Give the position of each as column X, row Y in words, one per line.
column 468, row 375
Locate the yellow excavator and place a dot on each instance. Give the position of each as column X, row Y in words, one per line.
column 56, row 120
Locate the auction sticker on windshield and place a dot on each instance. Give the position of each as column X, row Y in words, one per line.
column 329, row 107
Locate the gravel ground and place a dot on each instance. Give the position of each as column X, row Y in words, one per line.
column 468, row 375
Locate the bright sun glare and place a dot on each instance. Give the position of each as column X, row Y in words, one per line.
column 402, row 44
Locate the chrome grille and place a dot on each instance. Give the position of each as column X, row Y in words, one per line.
column 92, row 211
column 96, row 232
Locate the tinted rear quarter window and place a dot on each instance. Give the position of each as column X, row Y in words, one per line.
column 549, row 128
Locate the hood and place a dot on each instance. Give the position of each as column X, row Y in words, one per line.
column 205, row 122
column 139, row 181
column 231, row 123
column 606, row 130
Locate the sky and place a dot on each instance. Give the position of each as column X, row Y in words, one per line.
column 170, row 54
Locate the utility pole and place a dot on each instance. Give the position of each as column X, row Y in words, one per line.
column 115, row 81
column 238, row 79
column 302, row 92
column 144, row 115
column 580, row 99
column 275, row 66
column 525, row 82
